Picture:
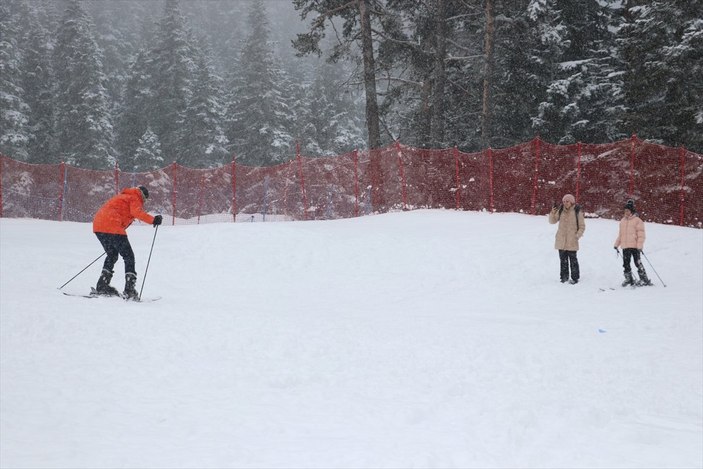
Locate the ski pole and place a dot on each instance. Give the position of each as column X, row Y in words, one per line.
column 148, row 261
column 655, row 270
column 96, row 260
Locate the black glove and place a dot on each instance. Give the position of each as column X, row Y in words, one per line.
column 616, row 249
column 157, row 220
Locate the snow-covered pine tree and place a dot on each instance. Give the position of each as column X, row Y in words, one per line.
column 687, row 59
column 515, row 80
column 660, row 46
column 83, row 121
column 117, row 42
column 426, row 64
column 148, row 155
column 259, row 116
column 14, row 130
column 137, row 101
column 643, row 37
column 549, row 40
column 172, row 73
column 333, row 120
column 205, row 144
column 583, row 94
column 358, row 17
column 223, row 23
column 37, row 78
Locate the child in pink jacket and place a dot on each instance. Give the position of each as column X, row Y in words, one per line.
column 631, row 238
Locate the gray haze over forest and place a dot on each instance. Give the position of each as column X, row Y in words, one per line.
column 146, row 83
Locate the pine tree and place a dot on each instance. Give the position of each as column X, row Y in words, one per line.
column 518, row 76
column 172, row 73
column 206, row 144
column 660, row 46
column 358, row 18
column 332, row 123
column 14, row 131
column 117, row 44
column 83, row 121
column 259, row 116
column 467, row 76
column 687, row 60
column 550, row 41
column 37, row 78
column 137, row 105
column 223, row 23
column 148, row 155
column 642, row 39
column 582, row 96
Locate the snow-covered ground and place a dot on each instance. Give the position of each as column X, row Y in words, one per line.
column 418, row 339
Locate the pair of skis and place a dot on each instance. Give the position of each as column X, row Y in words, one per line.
column 94, row 294
column 631, row 287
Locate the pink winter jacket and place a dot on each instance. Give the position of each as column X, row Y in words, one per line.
column 631, row 234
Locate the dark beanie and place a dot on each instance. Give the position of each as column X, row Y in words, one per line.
column 145, row 192
column 630, row 205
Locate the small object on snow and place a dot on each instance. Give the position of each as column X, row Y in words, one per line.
column 602, row 331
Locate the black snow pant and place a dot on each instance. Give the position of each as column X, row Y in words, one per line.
column 114, row 245
column 568, row 259
column 634, row 254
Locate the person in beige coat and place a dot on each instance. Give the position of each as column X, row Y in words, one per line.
column 572, row 224
column 631, row 238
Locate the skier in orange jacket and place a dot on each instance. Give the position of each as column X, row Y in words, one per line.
column 110, row 225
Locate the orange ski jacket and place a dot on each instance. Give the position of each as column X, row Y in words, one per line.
column 120, row 211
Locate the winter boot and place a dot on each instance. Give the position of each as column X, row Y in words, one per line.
column 644, row 280
column 129, row 291
column 629, row 281
column 103, row 287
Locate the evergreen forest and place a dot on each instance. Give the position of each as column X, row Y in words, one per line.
column 142, row 84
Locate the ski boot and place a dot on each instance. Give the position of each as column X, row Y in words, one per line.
column 629, row 281
column 644, row 280
column 103, row 287
column 130, row 293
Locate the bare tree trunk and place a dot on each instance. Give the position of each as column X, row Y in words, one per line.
column 487, row 111
column 372, row 118
column 425, row 118
column 440, row 77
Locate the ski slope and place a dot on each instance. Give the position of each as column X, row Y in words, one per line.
column 431, row 338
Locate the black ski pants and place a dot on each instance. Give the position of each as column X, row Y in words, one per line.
column 114, row 245
column 568, row 259
column 634, row 254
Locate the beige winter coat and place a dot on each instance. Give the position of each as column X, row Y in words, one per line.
column 568, row 235
column 631, row 234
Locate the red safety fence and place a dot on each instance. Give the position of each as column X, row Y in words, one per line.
column 666, row 183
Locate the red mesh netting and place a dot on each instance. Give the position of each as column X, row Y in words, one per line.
column 666, row 183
